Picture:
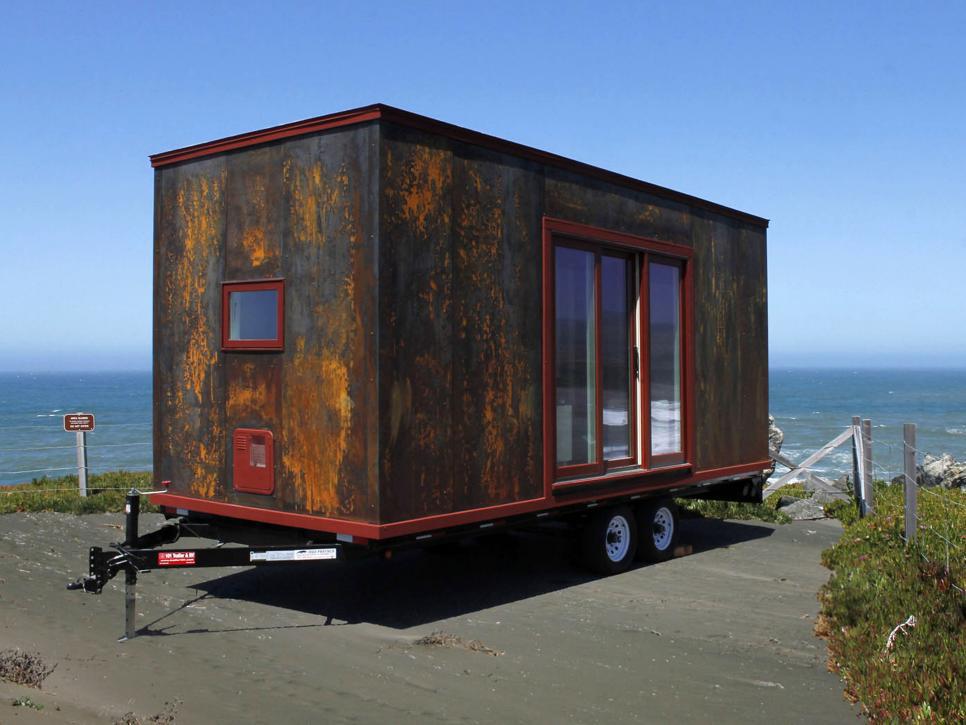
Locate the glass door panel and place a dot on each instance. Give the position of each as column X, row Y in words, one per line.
column 615, row 357
column 664, row 333
column 575, row 356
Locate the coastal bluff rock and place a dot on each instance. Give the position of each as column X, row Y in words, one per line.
column 943, row 471
column 806, row 509
column 776, row 437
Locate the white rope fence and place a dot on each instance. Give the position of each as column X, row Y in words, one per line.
column 38, row 445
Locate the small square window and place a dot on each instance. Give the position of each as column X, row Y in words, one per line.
column 252, row 315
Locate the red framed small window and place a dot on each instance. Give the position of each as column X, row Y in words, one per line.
column 253, row 315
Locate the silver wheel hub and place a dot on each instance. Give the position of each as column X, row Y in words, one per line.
column 662, row 528
column 618, row 538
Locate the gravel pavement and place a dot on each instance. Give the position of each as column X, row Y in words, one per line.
column 723, row 635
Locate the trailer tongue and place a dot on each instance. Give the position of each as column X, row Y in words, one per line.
column 139, row 553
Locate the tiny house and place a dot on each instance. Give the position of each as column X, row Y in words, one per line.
column 374, row 326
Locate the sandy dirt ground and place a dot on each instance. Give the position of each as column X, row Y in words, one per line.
column 722, row 635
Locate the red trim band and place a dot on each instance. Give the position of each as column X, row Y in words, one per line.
column 569, row 483
column 428, row 523
column 266, row 135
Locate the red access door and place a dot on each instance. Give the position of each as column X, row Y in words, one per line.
column 253, row 456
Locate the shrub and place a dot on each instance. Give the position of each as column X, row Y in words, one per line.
column 24, row 668
column 105, row 493
column 766, row 511
column 877, row 583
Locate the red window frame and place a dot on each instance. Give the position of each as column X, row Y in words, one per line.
column 276, row 343
column 603, row 241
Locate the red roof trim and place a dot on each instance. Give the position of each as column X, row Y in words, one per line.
column 266, row 135
column 405, row 118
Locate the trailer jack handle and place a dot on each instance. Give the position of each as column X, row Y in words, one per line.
column 132, row 509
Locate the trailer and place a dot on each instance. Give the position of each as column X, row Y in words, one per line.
column 373, row 330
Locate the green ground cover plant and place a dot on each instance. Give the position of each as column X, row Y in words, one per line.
column 105, row 494
column 766, row 511
column 878, row 583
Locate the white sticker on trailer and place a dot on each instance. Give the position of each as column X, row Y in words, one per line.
column 293, row 555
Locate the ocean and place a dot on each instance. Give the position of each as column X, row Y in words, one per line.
column 32, row 438
column 811, row 405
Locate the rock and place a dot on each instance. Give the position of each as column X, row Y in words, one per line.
column 811, row 485
column 841, row 484
column 804, row 510
column 826, row 497
column 944, row 471
column 775, row 438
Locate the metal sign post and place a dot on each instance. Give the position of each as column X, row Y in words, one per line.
column 82, row 462
column 80, row 423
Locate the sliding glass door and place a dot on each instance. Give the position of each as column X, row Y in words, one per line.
column 617, row 359
column 576, row 356
column 594, row 385
column 616, row 343
column 664, row 353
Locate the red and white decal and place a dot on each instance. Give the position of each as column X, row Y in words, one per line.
column 176, row 558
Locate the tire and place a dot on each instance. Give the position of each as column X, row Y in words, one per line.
column 609, row 541
column 657, row 523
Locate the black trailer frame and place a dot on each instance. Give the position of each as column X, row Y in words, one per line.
column 142, row 552
column 139, row 553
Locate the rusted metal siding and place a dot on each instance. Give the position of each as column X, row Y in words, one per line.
column 416, row 325
column 304, row 210
column 459, row 358
column 596, row 203
column 730, row 306
column 731, row 343
column 189, row 378
column 460, row 305
column 328, row 401
column 497, row 414
column 410, row 382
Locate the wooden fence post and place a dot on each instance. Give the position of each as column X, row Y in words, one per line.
column 909, row 468
column 869, row 476
column 856, row 461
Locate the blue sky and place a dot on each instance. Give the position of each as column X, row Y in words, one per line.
column 844, row 123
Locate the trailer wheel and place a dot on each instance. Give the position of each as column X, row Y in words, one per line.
column 609, row 540
column 657, row 523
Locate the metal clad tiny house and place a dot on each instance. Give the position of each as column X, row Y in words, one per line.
column 376, row 324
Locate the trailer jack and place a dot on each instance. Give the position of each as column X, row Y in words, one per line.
column 140, row 553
